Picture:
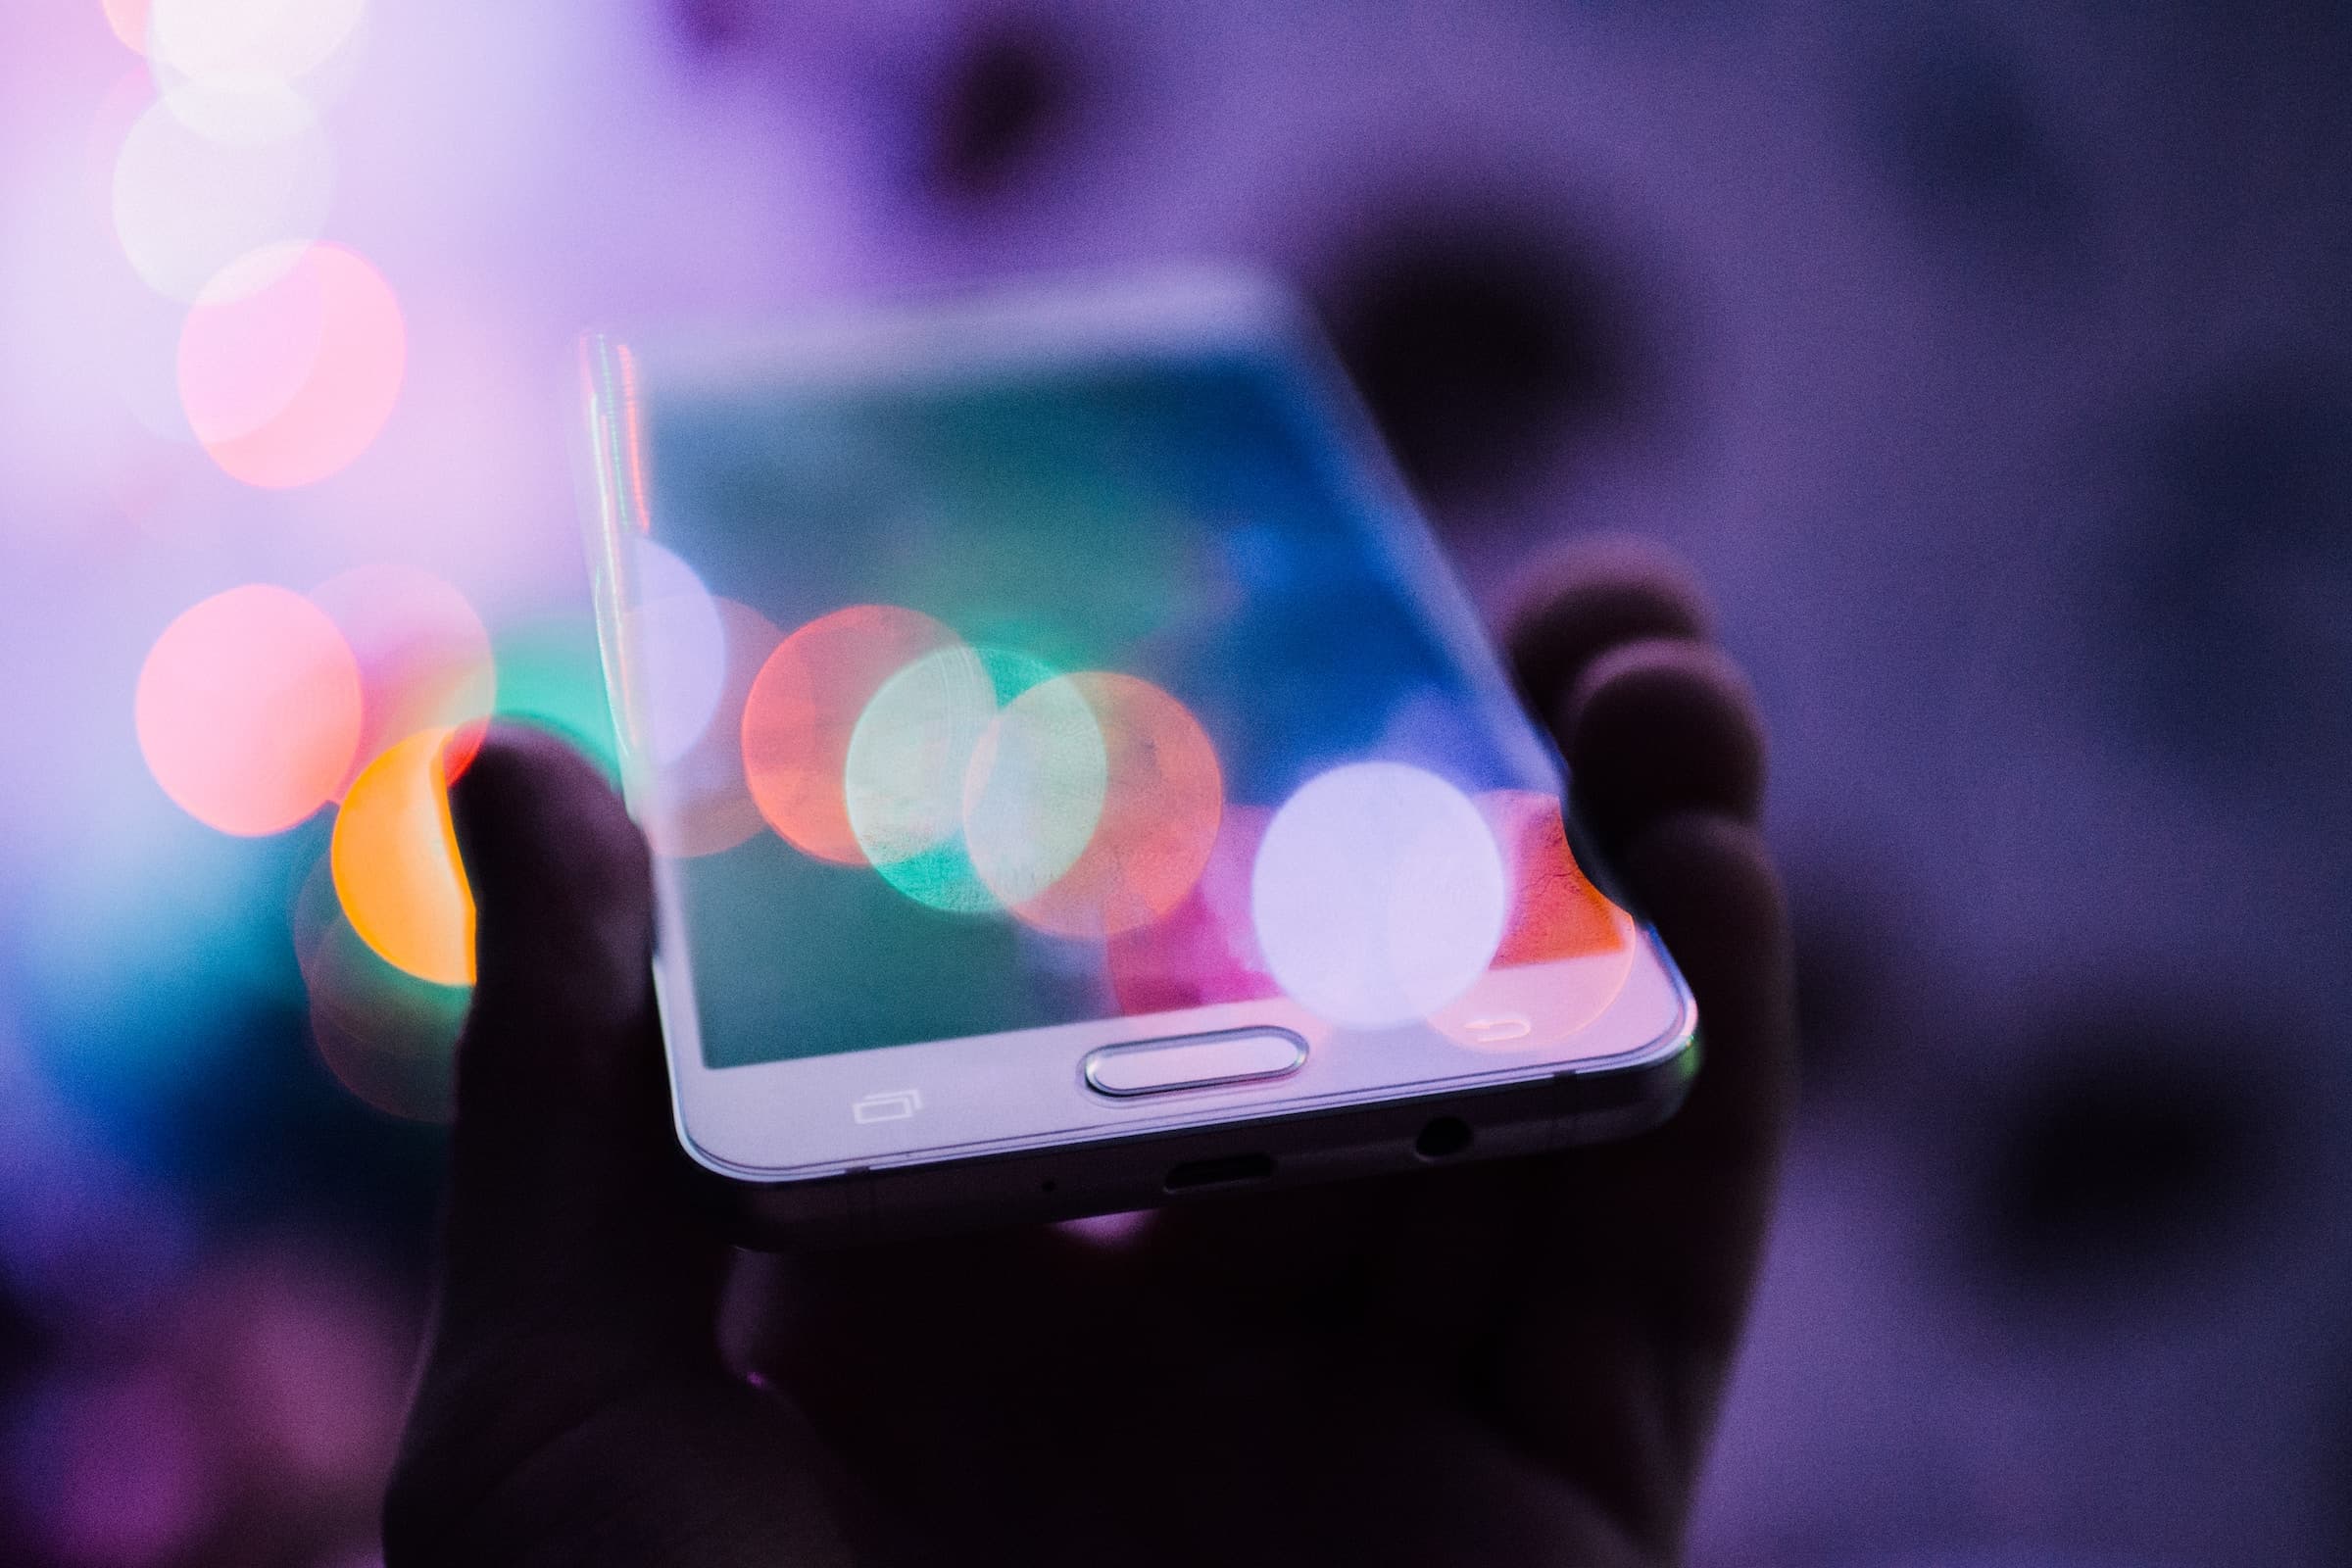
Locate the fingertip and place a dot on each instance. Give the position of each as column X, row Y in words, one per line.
column 1659, row 726
column 527, row 792
column 1705, row 872
column 1592, row 596
column 562, row 891
column 542, row 834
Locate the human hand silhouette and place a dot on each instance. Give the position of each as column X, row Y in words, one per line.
column 1517, row 1361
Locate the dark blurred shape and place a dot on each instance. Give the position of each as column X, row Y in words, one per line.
column 281, row 1142
column 21, row 1345
column 1478, row 344
column 1004, row 98
column 1971, row 144
column 249, row 1418
column 22, row 1349
column 2227, row 618
column 114, row 1465
column 2333, row 1447
column 715, row 27
column 2134, row 1154
column 1840, row 921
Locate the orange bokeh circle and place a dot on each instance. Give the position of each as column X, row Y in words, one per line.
column 1556, row 912
column 290, row 364
column 1566, row 951
column 396, row 867
column 1161, row 806
column 805, row 704
column 249, row 711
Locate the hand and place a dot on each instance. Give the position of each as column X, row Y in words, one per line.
column 1511, row 1362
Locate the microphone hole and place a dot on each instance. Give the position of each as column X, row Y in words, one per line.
column 1443, row 1137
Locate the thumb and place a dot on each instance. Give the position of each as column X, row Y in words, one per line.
column 565, row 1212
column 572, row 1407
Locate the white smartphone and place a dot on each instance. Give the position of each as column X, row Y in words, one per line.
column 1077, row 781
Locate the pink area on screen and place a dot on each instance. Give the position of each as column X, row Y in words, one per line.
column 804, row 706
column 1205, row 949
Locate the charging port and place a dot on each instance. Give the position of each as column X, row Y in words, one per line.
column 1220, row 1172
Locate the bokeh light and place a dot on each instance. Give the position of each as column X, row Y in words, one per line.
column 804, row 706
column 242, row 40
column 129, row 19
column 674, row 651
column 129, row 96
column 242, row 111
column 189, row 200
column 396, row 867
column 706, row 804
column 908, row 758
column 1378, row 895
column 1163, row 800
column 1205, row 949
column 1566, row 952
column 290, row 365
column 248, row 709
column 1033, row 790
column 423, row 657
column 1556, row 912
column 551, row 676
column 124, row 1460
column 386, row 1036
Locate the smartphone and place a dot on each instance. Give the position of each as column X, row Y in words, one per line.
column 1077, row 781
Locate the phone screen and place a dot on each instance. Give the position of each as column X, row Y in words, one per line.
column 1018, row 696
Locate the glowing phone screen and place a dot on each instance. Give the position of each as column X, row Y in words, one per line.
column 1013, row 699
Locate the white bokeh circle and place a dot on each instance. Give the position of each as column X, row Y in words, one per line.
column 1378, row 895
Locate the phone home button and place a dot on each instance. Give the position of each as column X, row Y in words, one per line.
column 1194, row 1062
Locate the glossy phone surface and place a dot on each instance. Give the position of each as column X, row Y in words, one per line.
column 1054, row 727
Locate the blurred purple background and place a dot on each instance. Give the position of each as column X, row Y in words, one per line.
column 1993, row 362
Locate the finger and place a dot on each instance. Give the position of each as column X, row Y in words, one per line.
column 572, row 1407
column 1616, row 1341
column 1588, row 599
column 1653, row 728
column 565, row 1200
